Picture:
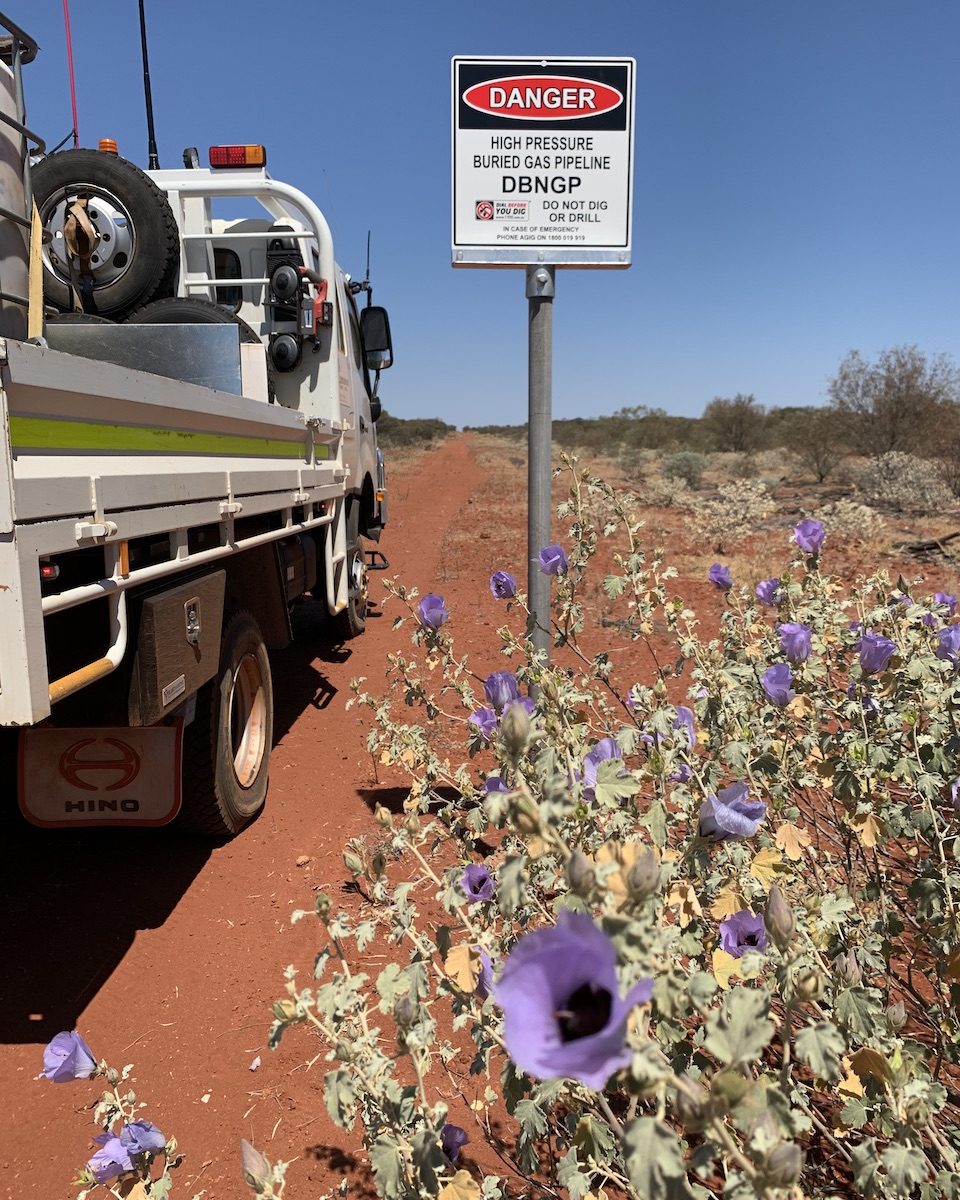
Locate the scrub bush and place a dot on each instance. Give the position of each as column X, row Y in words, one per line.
column 693, row 935
column 905, row 483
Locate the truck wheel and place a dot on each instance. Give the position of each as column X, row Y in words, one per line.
column 226, row 753
column 352, row 621
column 187, row 310
column 138, row 254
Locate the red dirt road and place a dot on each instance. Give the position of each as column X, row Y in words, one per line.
column 168, row 952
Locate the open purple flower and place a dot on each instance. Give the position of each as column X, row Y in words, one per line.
column 66, row 1058
column 795, row 639
column 477, row 884
column 742, row 931
column 720, row 577
column 503, row 586
column 809, row 535
column 432, row 611
column 493, row 783
column 485, row 721
column 948, row 644
column 769, row 591
column 552, row 560
column 776, row 685
column 684, row 721
column 604, row 750
column 452, row 1140
column 112, row 1159
column 729, row 814
column 949, row 602
column 563, row 1015
column 876, row 652
column 501, row 689
column 682, row 774
column 142, row 1137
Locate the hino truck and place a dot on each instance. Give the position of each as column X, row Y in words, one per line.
column 188, row 405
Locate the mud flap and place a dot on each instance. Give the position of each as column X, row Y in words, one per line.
column 100, row 776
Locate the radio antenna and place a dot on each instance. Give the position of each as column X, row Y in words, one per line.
column 154, row 163
column 73, row 86
column 366, row 283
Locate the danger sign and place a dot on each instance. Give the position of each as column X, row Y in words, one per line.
column 542, row 161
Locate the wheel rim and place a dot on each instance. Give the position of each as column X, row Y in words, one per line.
column 358, row 581
column 117, row 243
column 247, row 721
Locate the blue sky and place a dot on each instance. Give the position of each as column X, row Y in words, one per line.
column 796, row 192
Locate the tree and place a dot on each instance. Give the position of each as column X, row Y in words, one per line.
column 734, row 424
column 817, row 437
column 897, row 402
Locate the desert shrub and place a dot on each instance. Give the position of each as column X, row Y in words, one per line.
column 734, row 513
column 849, row 521
column 904, row 483
column 687, row 465
column 664, row 493
column 670, row 939
column 418, row 431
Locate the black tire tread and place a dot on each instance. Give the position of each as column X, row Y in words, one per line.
column 346, row 623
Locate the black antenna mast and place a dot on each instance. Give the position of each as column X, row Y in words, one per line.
column 154, row 163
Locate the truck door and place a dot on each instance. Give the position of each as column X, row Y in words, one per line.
column 359, row 442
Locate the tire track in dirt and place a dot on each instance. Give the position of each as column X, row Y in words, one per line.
column 169, row 952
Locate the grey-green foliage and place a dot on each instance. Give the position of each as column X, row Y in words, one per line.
column 833, row 1046
column 687, row 465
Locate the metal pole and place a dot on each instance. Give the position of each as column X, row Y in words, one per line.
column 154, row 160
column 540, row 292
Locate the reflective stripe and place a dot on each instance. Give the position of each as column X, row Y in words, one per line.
column 45, row 433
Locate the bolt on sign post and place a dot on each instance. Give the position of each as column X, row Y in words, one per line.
column 542, row 178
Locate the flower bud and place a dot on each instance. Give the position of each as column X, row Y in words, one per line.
column 353, row 862
column 256, row 1168
column 784, row 1165
column 897, row 1016
column 113, row 1076
column 526, row 815
column 847, row 969
column 779, row 920
column 808, row 984
column 383, row 816
column 916, row 1112
column 378, row 864
column 643, row 878
column 322, row 904
column 404, row 1011
column 284, row 1010
column 515, row 731
column 693, row 1110
column 580, row 874
column 548, row 685
column 412, row 823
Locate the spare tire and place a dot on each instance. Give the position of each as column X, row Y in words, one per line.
column 137, row 253
column 194, row 310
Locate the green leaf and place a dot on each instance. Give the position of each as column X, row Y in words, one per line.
column 428, row 1159
column 905, row 1167
column 860, row 1010
column 740, row 1031
column 613, row 784
column 340, row 1094
column 654, row 1161
column 865, row 1165
column 571, row 1177
column 655, row 819
column 388, row 1168
column 855, row 1113
column 511, row 882
column 820, row 1046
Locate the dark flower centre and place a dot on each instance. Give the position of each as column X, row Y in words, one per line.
column 751, row 939
column 586, row 1012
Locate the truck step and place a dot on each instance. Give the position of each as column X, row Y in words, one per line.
column 377, row 561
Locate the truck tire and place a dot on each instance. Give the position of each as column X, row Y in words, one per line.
column 352, row 621
column 194, row 310
column 226, row 752
column 133, row 218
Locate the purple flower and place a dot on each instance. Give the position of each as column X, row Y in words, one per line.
column 729, row 814
column 684, row 720
column 720, row 577
column 142, row 1137
column 563, row 1015
column 432, row 612
column 876, row 652
column 948, row 644
column 681, row 775
column 949, row 602
column 553, row 561
column 493, row 783
column 503, row 586
column 113, row 1158
column 776, row 685
column 526, row 703
column 452, row 1140
column 769, row 591
column 501, row 689
column 477, row 884
column 955, row 794
column 809, row 535
column 742, row 931
column 485, row 720
column 604, row 750
column 868, row 704
column 66, row 1058
column 795, row 641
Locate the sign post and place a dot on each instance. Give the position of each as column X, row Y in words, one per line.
column 542, row 177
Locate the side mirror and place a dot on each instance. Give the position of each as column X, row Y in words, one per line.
column 377, row 344
column 376, row 408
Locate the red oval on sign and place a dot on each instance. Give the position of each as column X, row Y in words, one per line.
column 542, row 97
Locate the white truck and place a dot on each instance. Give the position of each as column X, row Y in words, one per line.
column 188, row 450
